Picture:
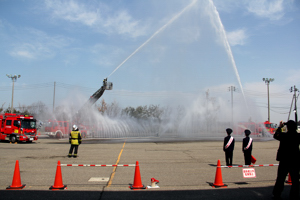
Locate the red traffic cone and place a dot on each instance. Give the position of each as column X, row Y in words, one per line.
column 218, row 179
column 58, row 183
column 289, row 181
column 16, row 183
column 137, row 182
column 253, row 160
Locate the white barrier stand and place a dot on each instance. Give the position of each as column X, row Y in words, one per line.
column 153, row 184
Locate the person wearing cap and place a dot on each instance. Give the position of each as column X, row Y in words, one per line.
column 74, row 140
column 228, row 147
column 247, row 147
column 288, row 156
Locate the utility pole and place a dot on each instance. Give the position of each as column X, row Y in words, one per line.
column 232, row 89
column 14, row 79
column 295, row 108
column 267, row 81
column 291, row 108
column 54, row 96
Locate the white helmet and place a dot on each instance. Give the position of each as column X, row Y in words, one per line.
column 74, row 127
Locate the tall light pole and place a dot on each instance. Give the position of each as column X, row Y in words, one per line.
column 295, row 110
column 14, row 79
column 54, row 96
column 267, row 81
column 232, row 89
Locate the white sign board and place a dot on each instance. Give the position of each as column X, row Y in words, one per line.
column 249, row 173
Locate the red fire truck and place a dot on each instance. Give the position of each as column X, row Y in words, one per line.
column 17, row 128
column 58, row 129
column 270, row 127
column 61, row 129
column 259, row 129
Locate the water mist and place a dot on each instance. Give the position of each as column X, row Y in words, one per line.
column 184, row 69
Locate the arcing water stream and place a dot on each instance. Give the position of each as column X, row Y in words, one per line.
column 185, row 72
column 157, row 32
column 220, row 28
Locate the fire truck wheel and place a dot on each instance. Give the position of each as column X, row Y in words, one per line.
column 13, row 138
column 58, row 134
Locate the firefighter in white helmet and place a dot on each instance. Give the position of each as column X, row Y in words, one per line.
column 74, row 140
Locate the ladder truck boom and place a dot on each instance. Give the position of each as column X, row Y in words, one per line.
column 92, row 100
column 106, row 86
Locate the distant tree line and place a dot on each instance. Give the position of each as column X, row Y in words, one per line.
column 38, row 108
column 113, row 110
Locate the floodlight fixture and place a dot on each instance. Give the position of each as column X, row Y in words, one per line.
column 14, row 79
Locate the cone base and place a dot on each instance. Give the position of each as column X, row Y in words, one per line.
column 64, row 187
column 288, row 182
column 15, row 188
column 218, row 186
column 137, row 187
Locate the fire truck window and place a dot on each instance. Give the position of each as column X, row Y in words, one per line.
column 28, row 124
column 8, row 122
column 32, row 124
column 16, row 123
column 49, row 124
column 66, row 124
column 60, row 124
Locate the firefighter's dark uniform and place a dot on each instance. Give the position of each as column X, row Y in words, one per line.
column 288, row 156
column 228, row 151
column 247, row 152
column 75, row 141
column 228, row 148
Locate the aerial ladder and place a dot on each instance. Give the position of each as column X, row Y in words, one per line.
column 92, row 100
column 106, row 86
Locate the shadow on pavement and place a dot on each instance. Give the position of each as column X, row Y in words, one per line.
column 264, row 193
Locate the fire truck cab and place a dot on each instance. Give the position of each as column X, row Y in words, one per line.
column 17, row 128
column 58, row 129
column 260, row 129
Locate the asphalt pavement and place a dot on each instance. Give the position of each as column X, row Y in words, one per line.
column 185, row 168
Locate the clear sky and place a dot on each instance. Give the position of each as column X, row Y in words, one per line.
column 179, row 48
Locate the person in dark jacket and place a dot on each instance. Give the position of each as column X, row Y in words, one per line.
column 228, row 147
column 247, row 147
column 288, row 157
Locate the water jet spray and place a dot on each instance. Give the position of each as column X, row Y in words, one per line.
column 157, row 32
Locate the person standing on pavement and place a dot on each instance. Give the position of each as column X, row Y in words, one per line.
column 288, row 156
column 75, row 141
column 228, row 147
column 247, row 147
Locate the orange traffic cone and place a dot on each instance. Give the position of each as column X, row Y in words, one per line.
column 16, row 183
column 289, row 181
column 218, row 179
column 253, row 160
column 58, row 183
column 137, row 182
